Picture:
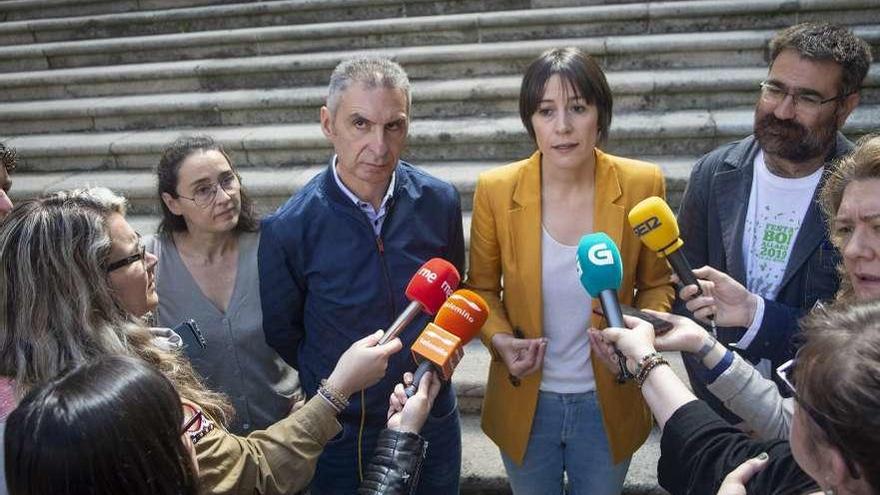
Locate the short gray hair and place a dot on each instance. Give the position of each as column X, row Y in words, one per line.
column 371, row 72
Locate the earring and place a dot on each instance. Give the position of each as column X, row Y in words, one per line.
column 829, row 491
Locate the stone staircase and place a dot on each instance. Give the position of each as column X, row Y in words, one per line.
column 91, row 90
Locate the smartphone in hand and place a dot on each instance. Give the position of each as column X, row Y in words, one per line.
column 660, row 326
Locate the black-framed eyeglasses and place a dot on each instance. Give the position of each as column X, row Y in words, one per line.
column 822, row 420
column 194, row 423
column 140, row 255
column 205, row 194
column 807, row 102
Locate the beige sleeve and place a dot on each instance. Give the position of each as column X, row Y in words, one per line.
column 276, row 461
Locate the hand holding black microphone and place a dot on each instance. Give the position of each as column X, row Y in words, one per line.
column 654, row 223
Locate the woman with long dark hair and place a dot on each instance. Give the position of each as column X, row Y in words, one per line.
column 111, row 426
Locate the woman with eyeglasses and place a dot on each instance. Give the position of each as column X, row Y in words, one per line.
column 207, row 272
column 111, row 426
column 63, row 306
column 835, row 429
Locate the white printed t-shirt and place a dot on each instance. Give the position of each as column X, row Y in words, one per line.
column 777, row 206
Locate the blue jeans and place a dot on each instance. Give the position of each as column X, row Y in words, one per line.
column 567, row 436
column 337, row 471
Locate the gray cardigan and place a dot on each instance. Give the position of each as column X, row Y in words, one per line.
column 237, row 360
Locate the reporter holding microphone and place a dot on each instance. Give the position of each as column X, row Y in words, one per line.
column 528, row 217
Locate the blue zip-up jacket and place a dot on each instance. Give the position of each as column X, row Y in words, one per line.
column 326, row 280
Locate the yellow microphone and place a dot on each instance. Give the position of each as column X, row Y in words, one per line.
column 654, row 223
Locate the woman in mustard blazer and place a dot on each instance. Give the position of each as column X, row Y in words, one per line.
column 549, row 407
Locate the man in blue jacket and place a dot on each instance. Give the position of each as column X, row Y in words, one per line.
column 750, row 213
column 336, row 259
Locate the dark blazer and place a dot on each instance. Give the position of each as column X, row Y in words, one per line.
column 712, row 220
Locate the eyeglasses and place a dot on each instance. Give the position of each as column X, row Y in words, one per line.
column 204, row 195
column 194, row 422
column 822, row 420
column 140, row 255
column 805, row 102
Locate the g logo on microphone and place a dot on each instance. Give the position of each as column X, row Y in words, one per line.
column 599, row 254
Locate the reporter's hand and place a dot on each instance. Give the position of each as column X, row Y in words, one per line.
column 735, row 482
column 731, row 304
column 521, row 356
column 363, row 364
column 634, row 342
column 686, row 335
column 410, row 413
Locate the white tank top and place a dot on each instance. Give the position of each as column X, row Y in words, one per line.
column 567, row 308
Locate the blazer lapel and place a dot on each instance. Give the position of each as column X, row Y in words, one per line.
column 810, row 235
column 525, row 236
column 608, row 212
column 731, row 190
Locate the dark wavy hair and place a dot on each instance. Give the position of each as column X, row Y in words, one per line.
column 827, row 42
column 168, row 172
column 108, row 427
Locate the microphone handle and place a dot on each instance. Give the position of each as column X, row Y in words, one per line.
column 614, row 317
column 424, row 367
column 683, row 269
column 412, row 309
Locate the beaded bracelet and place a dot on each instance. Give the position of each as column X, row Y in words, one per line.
column 650, row 365
column 641, row 363
column 335, row 397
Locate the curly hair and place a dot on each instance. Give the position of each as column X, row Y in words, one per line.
column 863, row 163
column 8, row 157
column 827, row 42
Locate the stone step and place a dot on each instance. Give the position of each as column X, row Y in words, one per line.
column 683, row 133
column 615, row 53
column 233, row 16
column 271, row 187
column 705, row 88
column 575, row 22
column 16, row 10
column 593, row 23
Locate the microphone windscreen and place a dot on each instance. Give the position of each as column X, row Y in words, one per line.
column 432, row 284
column 463, row 314
column 654, row 223
column 598, row 263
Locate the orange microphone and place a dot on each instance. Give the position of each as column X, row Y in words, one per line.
column 440, row 347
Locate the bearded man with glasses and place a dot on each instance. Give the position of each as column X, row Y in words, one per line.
column 749, row 215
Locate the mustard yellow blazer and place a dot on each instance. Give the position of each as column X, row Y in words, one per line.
column 505, row 268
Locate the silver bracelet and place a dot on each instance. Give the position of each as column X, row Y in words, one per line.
column 708, row 344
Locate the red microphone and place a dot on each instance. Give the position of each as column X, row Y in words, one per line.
column 427, row 290
column 440, row 347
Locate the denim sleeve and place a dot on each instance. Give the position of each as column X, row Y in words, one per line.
column 281, row 296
